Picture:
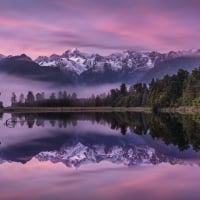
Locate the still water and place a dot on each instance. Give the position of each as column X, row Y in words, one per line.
column 99, row 156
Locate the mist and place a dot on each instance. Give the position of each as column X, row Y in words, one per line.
column 17, row 85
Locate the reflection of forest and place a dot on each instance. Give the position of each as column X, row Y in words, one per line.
column 178, row 130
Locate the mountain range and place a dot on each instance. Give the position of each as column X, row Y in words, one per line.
column 76, row 67
column 79, row 154
column 81, row 150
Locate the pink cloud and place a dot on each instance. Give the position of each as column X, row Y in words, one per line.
column 154, row 25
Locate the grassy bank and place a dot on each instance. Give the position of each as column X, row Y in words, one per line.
column 180, row 110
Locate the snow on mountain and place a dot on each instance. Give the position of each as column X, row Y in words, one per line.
column 79, row 154
column 123, row 63
column 78, row 62
column 71, row 60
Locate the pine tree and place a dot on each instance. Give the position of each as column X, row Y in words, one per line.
column 30, row 99
column 123, row 89
column 13, row 99
column 21, row 99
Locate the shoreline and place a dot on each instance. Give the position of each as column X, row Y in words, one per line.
column 74, row 109
column 182, row 110
column 173, row 110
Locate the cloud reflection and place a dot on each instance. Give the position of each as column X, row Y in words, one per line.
column 38, row 180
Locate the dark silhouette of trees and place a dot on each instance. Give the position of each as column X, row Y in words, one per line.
column 171, row 91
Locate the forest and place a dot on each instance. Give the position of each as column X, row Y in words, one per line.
column 181, row 89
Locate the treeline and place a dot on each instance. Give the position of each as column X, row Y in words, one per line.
column 182, row 89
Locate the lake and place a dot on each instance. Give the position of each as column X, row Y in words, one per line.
column 99, row 156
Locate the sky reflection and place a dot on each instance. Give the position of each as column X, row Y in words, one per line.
column 44, row 180
column 89, row 160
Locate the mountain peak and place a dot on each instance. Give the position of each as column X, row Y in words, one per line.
column 24, row 57
column 74, row 50
column 72, row 53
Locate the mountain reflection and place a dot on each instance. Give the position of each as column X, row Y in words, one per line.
column 144, row 139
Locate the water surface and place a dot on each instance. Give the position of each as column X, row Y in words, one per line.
column 99, row 156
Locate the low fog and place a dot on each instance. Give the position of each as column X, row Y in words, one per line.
column 11, row 84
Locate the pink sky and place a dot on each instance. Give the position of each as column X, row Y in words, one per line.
column 43, row 27
column 45, row 180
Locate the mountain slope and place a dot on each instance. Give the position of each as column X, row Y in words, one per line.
column 128, row 66
column 75, row 67
column 172, row 66
column 24, row 67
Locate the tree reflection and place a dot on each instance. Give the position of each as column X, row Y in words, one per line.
column 182, row 131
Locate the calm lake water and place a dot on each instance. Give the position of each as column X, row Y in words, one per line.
column 99, row 156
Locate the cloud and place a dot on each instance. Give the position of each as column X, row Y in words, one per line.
column 44, row 26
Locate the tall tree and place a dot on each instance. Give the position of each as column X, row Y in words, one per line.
column 38, row 97
column 123, row 89
column 21, row 98
column 52, row 96
column 13, row 99
column 30, row 99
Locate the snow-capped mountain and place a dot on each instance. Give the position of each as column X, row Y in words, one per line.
column 72, row 60
column 79, row 154
column 75, row 67
column 78, row 62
